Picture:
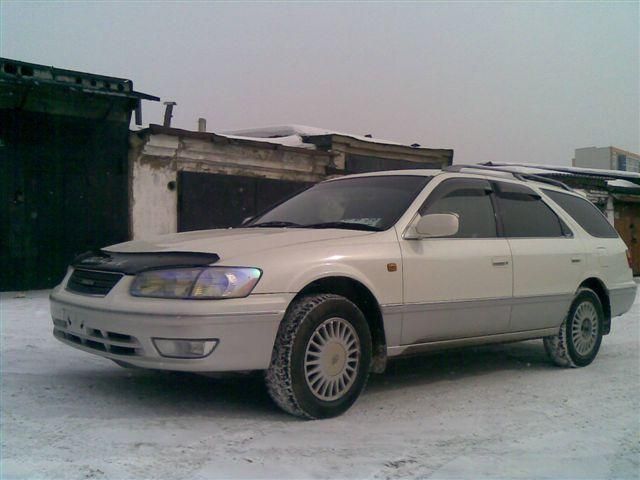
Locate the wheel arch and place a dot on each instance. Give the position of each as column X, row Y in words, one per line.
column 601, row 290
column 365, row 300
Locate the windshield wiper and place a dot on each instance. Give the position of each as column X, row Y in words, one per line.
column 275, row 224
column 345, row 225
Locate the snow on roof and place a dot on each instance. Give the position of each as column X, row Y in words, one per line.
column 279, row 131
column 294, row 135
column 623, row 184
column 288, row 140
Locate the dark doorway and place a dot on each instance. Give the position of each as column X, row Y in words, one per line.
column 627, row 224
column 63, row 190
column 208, row 200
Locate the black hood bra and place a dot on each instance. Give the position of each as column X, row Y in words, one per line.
column 132, row 263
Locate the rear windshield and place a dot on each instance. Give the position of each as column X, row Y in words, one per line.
column 585, row 213
column 362, row 203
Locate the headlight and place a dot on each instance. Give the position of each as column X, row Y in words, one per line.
column 199, row 283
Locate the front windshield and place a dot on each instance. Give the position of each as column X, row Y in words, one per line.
column 365, row 203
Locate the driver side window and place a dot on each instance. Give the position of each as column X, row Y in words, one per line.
column 470, row 199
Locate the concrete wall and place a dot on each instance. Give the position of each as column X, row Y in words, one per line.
column 154, row 203
column 196, row 155
column 156, row 159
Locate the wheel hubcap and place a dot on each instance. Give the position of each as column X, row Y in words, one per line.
column 584, row 328
column 331, row 359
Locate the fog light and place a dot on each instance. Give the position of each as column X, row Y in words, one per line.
column 174, row 348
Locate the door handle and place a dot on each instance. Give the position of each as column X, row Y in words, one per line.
column 576, row 259
column 499, row 261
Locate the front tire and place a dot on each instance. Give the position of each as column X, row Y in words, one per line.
column 321, row 358
column 580, row 335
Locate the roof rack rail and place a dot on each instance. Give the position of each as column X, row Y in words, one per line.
column 541, row 179
column 518, row 175
column 485, row 170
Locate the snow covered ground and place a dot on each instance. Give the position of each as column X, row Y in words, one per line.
column 498, row 412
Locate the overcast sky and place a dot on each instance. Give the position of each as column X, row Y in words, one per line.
column 508, row 82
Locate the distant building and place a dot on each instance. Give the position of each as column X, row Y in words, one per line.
column 184, row 180
column 607, row 158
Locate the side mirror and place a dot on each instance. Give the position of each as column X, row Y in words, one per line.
column 436, row 225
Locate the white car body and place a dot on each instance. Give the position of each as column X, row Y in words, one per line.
column 430, row 292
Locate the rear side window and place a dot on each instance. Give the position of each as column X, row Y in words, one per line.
column 470, row 199
column 525, row 215
column 585, row 213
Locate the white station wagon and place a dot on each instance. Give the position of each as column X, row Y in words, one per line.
column 323, row 288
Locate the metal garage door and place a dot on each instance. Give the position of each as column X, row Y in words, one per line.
column 63, row 191
column 208, row 200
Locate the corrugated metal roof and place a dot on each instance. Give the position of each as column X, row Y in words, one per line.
column 24, row 73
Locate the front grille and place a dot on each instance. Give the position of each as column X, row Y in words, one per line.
column 91, row 282
column 100, row 340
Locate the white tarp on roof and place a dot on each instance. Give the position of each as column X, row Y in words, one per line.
column 292, row 135
column 622, row 184
column 288, row 140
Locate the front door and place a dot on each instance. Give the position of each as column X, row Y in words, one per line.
column 459, row 286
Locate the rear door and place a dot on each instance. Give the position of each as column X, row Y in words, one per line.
column 548, row 261
column 609, row 262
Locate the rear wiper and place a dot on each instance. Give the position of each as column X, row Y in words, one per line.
column 275, row 224
column 345, row 225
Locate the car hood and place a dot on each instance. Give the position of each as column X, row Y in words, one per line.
column 232, row 242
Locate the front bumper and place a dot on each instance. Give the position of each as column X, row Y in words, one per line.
column 121, row 327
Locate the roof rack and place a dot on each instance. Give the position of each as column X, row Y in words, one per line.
column 517, row 175
column 486, row 170
column 549, row 181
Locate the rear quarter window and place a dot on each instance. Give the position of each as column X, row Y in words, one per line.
column 585, row 213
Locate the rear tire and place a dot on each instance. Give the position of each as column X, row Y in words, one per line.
column 321, row 357
column 580, row 335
